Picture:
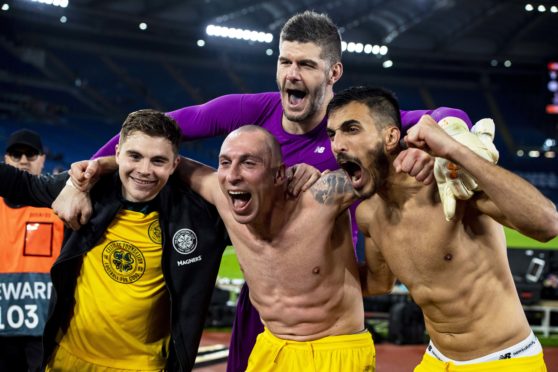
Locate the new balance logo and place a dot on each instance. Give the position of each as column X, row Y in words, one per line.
column 505, row 356
column 319, row 150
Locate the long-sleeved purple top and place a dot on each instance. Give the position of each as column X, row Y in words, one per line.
column 223, row 115
column 227, row 113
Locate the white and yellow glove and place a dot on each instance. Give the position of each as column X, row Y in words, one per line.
column 454, row 183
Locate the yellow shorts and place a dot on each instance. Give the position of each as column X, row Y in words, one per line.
column 345, row 353
column 64, row 361
column 522, row 364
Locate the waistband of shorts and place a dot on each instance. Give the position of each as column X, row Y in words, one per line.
column 528, row 347
column 430, row 362
column 361, row 339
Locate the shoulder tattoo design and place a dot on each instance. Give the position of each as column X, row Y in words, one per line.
column 330, row 185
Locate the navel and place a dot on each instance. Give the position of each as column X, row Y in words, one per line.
column 448, row 257
column 316, row 270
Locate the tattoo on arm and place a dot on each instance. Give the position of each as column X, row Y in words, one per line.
column 328, row 189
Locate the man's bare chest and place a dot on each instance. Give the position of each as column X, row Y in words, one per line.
column 416, row 241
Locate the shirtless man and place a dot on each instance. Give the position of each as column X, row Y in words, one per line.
column 296, row 254
column 456, row 271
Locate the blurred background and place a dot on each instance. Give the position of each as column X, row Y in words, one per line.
column 73, row 69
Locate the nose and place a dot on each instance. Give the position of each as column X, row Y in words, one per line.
column 24, row 159
column 145, row 167
column 338, row 145
column 293, row 72
column 233, row 174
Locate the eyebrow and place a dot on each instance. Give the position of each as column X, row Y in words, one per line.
column 306, row 60
column 253, row 157
column 160, row 158
column 346, row 124
column 243, row 157
column 309, row 61
column 156, row 157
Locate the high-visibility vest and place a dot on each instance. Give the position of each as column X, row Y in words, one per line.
column 30, row 242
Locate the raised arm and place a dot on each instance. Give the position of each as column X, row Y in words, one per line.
column 410, row 118
column 199, row 177
column 26, row 189
column 509, row 199
column 73, row 204
column 217, row 117
column 422, row 171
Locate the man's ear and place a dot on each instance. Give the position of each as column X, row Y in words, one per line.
column 335, row 73
column 391, row 138
column 117, row 152
column 175, row 163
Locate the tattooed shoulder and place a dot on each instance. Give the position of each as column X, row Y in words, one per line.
column 328, row 188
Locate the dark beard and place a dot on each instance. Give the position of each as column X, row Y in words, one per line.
column 316, row 101
column 299, row 117
column 380, row 168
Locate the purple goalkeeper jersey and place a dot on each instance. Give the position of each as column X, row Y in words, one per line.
column 227, row 113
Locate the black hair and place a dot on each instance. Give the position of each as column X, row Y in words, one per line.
column 381, row 103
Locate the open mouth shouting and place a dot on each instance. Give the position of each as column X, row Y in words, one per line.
column 240, row 200
column 296, row 97
column 354, row 170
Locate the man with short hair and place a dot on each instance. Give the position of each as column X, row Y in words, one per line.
column 296, row 254
column 30, row 241
column 456, row 271
column 133, row 285
column 308, row 66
